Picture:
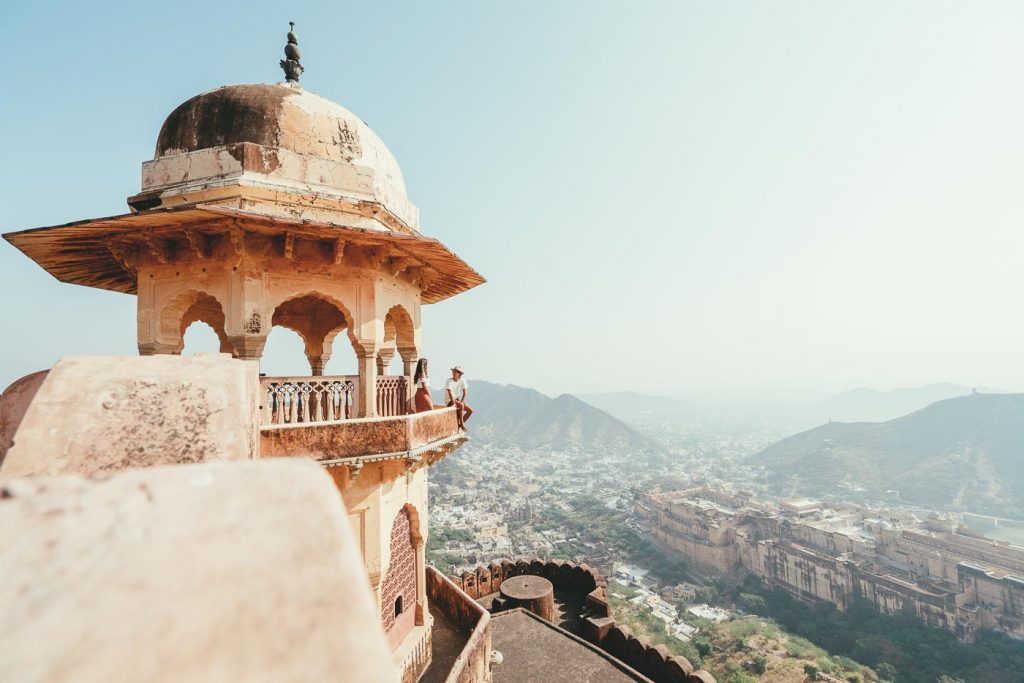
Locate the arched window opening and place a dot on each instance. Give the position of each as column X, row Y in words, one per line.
column 284, row 354
column 399, row 336
column 342, row 363
column 398, row 606
column 318, row 322
column 200, row 337
column 180, row 313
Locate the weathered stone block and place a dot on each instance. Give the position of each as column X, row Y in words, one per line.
column 211, row 572
column 103, row 414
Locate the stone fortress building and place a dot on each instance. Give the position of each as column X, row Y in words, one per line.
column 948, row 576
column 172, row 518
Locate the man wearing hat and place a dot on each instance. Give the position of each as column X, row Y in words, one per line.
column 455, row 390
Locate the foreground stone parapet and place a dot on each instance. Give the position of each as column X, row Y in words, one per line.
column 102, row 414
column 209, row 572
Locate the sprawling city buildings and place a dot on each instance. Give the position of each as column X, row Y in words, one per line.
column 945, row 574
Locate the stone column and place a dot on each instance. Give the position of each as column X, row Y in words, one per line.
column 319, row 347
column 384, row 357
column 410, row 354
column 367, row 382
column 317, row 363
column 248, row 345
column 246, row 321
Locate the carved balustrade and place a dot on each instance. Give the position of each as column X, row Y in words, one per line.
column 294, row 400
column 313, row 400
column 392, row 396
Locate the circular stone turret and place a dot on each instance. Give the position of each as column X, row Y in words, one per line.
column 532, row 593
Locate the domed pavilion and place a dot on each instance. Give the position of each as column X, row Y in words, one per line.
column 269, row 205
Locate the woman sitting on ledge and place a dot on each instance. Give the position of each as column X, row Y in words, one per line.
column 421, row 399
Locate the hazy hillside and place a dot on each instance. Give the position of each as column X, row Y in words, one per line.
column 630, row 405
column 517, row 416
column 966, row 451
column 870, row 405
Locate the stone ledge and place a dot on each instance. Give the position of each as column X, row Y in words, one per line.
column 379, row 438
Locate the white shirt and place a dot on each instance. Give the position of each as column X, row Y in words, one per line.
column 423, row 384
column 457, row 387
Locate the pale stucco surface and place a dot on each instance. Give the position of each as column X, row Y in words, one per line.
column 102, row 414
column 209, row 572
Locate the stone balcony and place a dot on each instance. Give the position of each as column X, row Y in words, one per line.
column 309, row 417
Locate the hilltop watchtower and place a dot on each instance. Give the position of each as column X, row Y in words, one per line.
column 267, row 205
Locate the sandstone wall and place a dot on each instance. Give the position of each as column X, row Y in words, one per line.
column 473, row 665
column 96, row 415
column 398, row 589
column 244, row 571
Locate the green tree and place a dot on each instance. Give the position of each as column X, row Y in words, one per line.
column 758, row 664
column 705, row 594
column 811, row 671
column 753, row 602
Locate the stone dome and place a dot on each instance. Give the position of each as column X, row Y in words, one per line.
column 337, row 152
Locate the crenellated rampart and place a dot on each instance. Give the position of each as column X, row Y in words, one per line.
column 597, row 620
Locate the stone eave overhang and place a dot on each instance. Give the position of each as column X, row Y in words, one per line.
column 81, row 252
column 435, row 448
column 366, row 439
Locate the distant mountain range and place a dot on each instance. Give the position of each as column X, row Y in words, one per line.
column 965, row 452
column 870, row 405
column 630, row 405
column 508, row 415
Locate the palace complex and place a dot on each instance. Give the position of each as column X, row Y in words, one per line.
column 174, row 517
column 946, row 575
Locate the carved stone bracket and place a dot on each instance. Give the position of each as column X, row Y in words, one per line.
column 126, row 254
column 199, row 243
column 159, row 249
column 237, row 237
column 354, row 470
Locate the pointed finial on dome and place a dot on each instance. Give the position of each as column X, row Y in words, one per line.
column 291, row 66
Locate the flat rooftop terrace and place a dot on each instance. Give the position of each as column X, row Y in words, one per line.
column 535, row 650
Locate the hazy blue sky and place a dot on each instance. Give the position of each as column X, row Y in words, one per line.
column 683, row 197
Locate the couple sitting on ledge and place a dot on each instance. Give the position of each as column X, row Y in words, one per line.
column 455, row 390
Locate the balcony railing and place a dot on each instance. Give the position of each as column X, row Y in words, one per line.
column 316, row 400
column 392, row 396
column 291, row 400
